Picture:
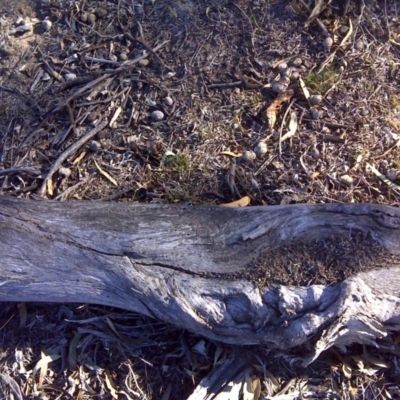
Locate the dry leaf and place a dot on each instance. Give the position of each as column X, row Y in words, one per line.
column 304, row 88
column 323, row 28
column 280, row 61
column 375, row 360
column 79, row 158
column 115, row 116
column 292, row 126
column 72, row 351
column 363, row 368
column 348, row 34
column 231, row 154
column 111, row 385
column 358, row 161
column 50, row 187
column 123, row 339
column 106, row 174
column 318, row 8
column 271, row 117
column 271, row 384
column 111, row 325
column 256, row 384
column 251, row 387
column 42, row 364
column 272, row 110
column 314, row 175
column 383, row 178
column 243, row 202
column 347, row 372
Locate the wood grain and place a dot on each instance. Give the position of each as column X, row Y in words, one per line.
column 146, row 258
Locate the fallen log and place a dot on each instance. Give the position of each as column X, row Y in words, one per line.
column 175, row 264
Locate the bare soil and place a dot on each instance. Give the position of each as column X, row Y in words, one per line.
column 212, row 79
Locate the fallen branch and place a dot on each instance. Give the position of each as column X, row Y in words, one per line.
column 172, row 263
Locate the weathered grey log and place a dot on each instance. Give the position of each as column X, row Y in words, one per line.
column 146, row 258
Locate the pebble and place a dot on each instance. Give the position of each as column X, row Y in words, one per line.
column 168, row 101
column 64, row 171
column 157, row 115
column 287, row 72
column 249, row 155
column 131, row 141
column 261, row 149
column 359, row 45
column 280, row 86
column 296, row 62
column 392, row 175
column 347, row 180
column 46, row 25
column 327, row 43
column 123, row 56
column 144, row 62
column 70, row 76
column 315, row 99
column 91, row 18
column 295, row 75
column 150, row 102
column 83, row 17
column 282, row 67
column 46, row 77
column 314, row 114
column 95, row 146
column 91, row 117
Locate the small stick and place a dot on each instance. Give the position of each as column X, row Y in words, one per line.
column 102, row 61
column 79, row 92
column 231, row 180
column 224, row 85
column 283, row 121
column 71, row 150
column 18, row 170
column 66, row 192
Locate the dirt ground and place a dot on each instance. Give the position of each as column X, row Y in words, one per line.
column 196, row 102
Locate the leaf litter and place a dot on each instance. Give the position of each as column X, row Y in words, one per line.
column 98, row 63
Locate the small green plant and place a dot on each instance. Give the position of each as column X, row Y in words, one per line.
column 179, row 162
column 182, row 162
column 394, row 100
column 320, row 83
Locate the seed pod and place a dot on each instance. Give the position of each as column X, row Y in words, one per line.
column 327, row 43
column 91, row 18
column 249, row 155
column 315, row 99
column 157, row 115
column 261, row 149
column 46, row 25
